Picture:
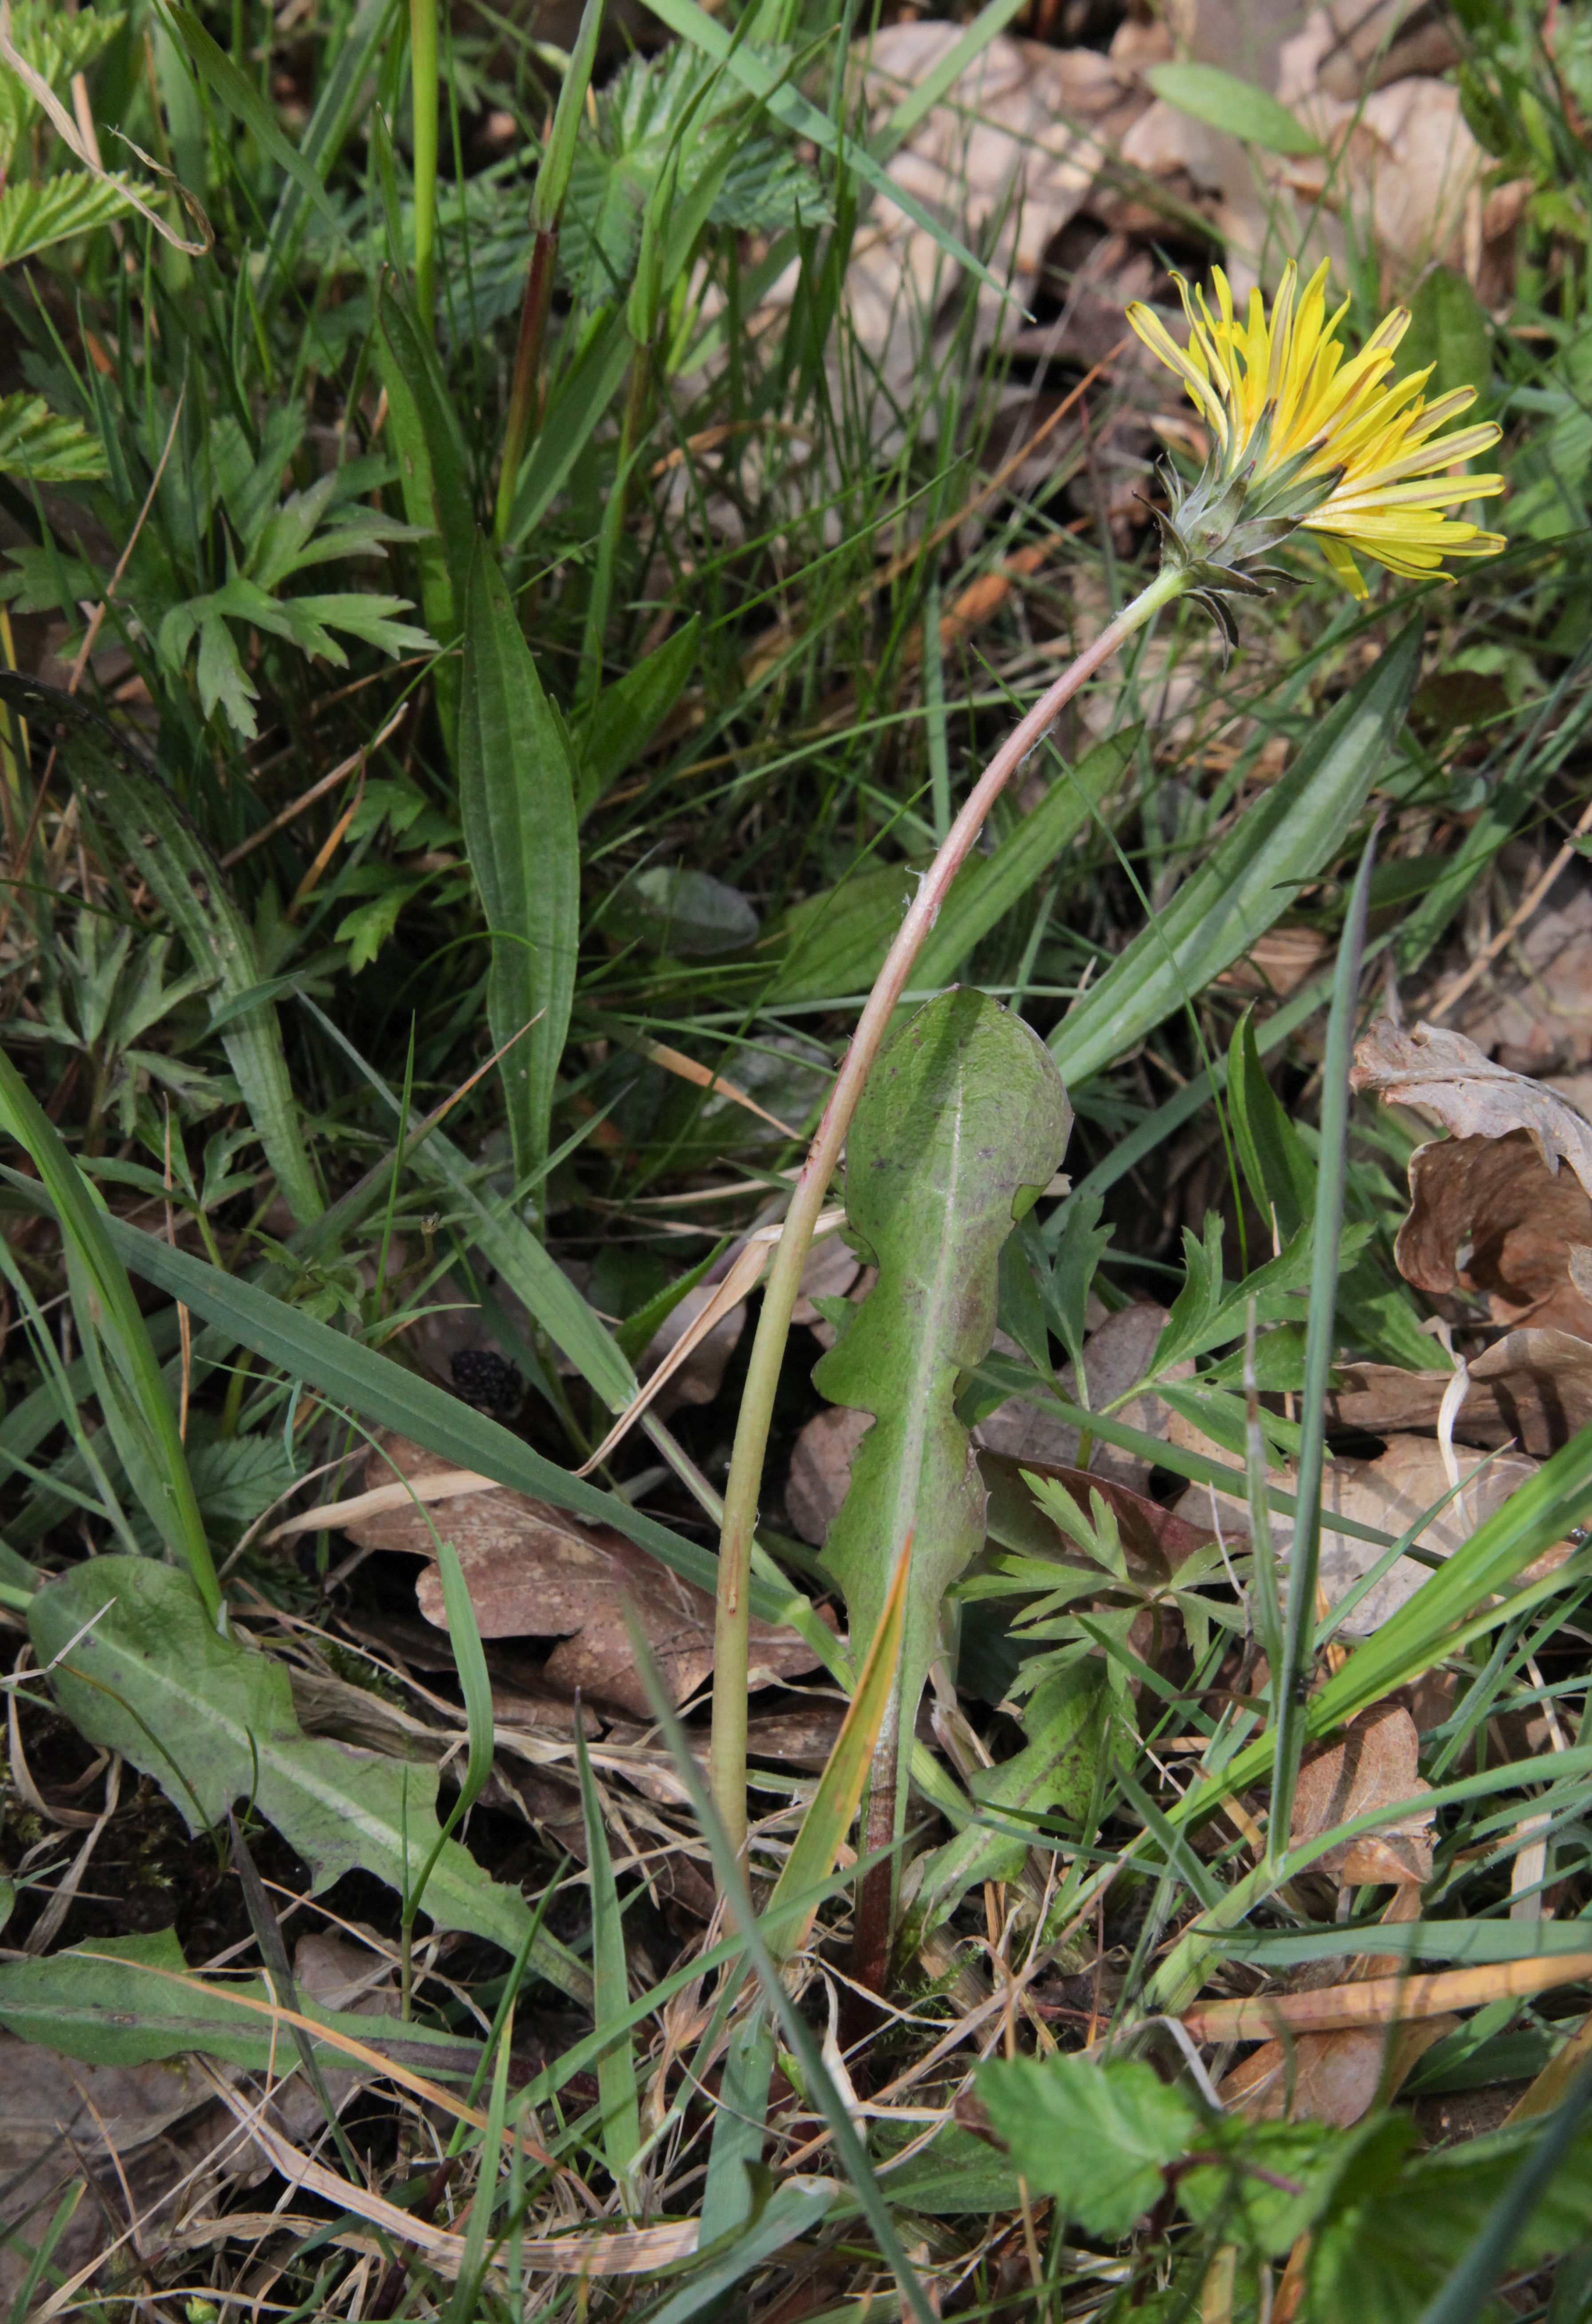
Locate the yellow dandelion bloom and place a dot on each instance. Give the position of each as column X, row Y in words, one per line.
column 1311, row 436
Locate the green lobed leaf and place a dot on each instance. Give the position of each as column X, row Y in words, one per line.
column 1065, row 1724
column 36, row 213
column 125, row 796
column 44, row 448
column 516, row 797
column 963, row 1115
column 212, row 1721
column 1098, row 2138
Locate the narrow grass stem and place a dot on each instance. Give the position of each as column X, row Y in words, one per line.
column 424, row 94
column 728, row 1759
column 525, row 392
column 1291, row 1686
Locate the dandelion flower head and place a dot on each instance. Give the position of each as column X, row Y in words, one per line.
column 1305, row 434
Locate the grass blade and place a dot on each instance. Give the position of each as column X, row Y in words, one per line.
column 611, row 1989
column 137, row 1409
column 1291, row 1683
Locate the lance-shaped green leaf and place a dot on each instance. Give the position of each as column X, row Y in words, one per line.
column 626, row 715
column 124, row 2001
column 433, row 475
column 212, row 1721
column 124, row 796
column 517, row 796
column 964, row 1119
column 1292, row 834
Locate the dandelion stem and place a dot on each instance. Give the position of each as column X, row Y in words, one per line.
column 728, row 1759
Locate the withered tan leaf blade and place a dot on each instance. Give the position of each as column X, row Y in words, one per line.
column 1383, row 2000
column 1472, row 1097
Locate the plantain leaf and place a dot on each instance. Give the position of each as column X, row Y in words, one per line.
column 1238, row 108
column 517, row 786
column 963, row 1119
column 1251, row 878
column 127, row 796
column 212, row 1721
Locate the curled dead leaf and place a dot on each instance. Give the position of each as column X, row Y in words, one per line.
column 1334, row 2077
column 1439, row 1070
column 1487, row 1217
column 534, row 1570
column 1531, row 1388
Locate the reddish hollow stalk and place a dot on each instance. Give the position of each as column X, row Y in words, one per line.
column 525, row 390
column 728, row 1759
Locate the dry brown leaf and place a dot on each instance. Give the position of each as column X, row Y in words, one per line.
column 1389, row 1493
column 1374, row 1765
column 1277, row 962
column 1334, row 2077
column 1486, row 1216
column 1409, row 1476
column 534, row 1570
column 821, row 1470
column 1448, row 1076
column 1400, row 160
column 1532, row 1388
column 830, row 1272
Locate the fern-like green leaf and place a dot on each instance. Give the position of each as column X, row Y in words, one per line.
column 33, row 216
column 39, row 444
